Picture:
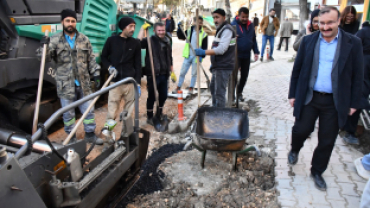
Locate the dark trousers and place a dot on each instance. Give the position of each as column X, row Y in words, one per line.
column 162, row 87
column 218, row 85
column 322, row 107
column 352, row 121
column 286, row 42
column 3, row 40
column 244, row 64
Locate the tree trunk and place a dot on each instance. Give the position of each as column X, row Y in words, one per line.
column 303, row 16
column 228, row 11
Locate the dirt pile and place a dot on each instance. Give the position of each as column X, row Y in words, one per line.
column 185, row 184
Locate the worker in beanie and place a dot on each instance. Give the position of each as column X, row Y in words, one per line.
column 222, row 57
column 75, row 62
column 121, row 55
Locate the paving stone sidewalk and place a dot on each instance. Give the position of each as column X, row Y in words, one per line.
column 268, row 84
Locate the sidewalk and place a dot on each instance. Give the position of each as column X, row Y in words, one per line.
column 268, row 84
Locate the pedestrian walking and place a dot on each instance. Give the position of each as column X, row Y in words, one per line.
column 310, row 28
column 256, row 22
column 246, row 42
column 75, row 61
column 121, row 55
column 163, row 66
column 269, row 26
column 187, row 53
column 222, row 57
column 170, row 25
column 285, row 33
column 351, row 124
column 348, row 20
column 326, row 83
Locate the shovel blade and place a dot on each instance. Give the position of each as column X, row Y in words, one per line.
column 160, row 125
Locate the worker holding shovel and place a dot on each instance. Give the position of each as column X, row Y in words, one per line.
column 188, row 54
column 158, row 67
column 75, row 61
column 121, row 55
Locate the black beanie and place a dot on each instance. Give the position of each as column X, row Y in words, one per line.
column 68, row 13
column 125, row 21
column 220, row 11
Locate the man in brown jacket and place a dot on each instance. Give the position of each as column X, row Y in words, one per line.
column 269, row 26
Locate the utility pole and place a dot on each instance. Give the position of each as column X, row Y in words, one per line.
column 303, row 16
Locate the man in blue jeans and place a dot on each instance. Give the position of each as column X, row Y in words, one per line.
column 187, row 53
column 269, row 26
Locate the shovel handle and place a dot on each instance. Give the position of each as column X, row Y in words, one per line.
column 152, row 69
column 86, row 112
column 39, row 89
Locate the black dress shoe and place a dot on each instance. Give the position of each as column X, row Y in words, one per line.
column 319, row 181
column 292, row 157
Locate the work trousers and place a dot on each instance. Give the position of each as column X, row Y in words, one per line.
column 244, row 64
column 69, row 117
column 352, row 121
column 322, row 107
column 125, row 92
column 162, row 87
column 190, row 61
column 271, row 39
column 286, row 42
column 218, row 86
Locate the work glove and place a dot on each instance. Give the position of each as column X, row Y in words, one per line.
column 97, row 81
column 45, row 40
column 146, row 25
column 200, row 52
column 173, row 77
column 113, row 70
column 139, row 89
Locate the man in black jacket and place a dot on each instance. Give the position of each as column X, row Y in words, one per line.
column 163, row 66
column 187, row 53
column 121, row 55
column 326, row 83
column 170, row 25
column 351, row 125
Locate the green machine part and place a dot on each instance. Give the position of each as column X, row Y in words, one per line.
column 99, row 21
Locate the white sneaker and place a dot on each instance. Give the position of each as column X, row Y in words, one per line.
column 361, row 170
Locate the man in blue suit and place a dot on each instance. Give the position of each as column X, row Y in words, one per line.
column 326, row 83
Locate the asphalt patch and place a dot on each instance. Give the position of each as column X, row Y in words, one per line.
column 149, row 181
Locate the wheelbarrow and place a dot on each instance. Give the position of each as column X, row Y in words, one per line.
column 222, row 129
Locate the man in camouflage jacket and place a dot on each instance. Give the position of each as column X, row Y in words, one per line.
column 73, row 55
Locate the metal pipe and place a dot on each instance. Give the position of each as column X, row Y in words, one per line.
column 73, row 105
column 38, row 146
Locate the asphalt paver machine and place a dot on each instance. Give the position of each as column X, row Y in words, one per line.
column 37, row 173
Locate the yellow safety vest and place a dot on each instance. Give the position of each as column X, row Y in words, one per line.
column 186, row 51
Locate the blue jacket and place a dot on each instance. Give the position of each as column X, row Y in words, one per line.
column 246, row 39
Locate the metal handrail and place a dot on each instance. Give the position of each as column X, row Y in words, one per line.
column 73, row 105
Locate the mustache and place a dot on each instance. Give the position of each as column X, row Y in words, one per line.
column 327, row 30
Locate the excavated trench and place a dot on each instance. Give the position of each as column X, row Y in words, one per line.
column 172, row 177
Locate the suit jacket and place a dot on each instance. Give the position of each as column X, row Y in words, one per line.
column 286, row 29
column 350, row 74
column 265, row 22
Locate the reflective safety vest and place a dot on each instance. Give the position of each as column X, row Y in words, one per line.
column 186, row 51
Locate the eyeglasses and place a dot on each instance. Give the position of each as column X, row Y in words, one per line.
column 315, row 22
column 330, row 23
